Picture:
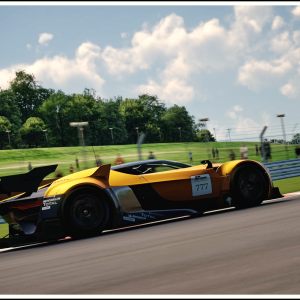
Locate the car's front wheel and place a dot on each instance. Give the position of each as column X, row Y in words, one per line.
column 248, row 187
column 85, row 214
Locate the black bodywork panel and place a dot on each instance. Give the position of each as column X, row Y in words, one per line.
column 28, row 182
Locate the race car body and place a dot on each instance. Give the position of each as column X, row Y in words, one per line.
column 85, row 203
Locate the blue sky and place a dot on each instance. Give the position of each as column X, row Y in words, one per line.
column 237, row 65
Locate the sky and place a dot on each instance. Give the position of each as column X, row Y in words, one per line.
column 237, row 64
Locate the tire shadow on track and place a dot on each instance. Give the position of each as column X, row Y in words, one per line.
column 157, row 223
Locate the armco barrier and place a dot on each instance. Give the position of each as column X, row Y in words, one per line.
column 284, row 168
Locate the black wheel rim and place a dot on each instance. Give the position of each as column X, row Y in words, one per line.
column 87, row 212
column 251, row 185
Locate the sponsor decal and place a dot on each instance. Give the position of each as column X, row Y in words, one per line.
column 136, row 216
column 46, row 207
column 149, row 216
column 201, row 185
column 128, row 219
column 52, row 201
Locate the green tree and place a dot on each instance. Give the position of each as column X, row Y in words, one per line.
column 55, row 111
column 174, row 118
column 28, row 93
column 144, row 113
column 5, row 125
column 9, row 109
column 107, row 115
column 205, row 135
column 32, row 131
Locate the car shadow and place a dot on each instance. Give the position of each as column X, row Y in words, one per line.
column 157, row 223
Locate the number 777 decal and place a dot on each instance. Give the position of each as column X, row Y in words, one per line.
column 201, row 185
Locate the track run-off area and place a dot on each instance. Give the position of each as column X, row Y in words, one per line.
column 226, row 252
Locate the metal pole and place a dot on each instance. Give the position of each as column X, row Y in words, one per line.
column 137, row 132
column 45, row 130
column 215, row 134
column 159, row 133
column 229, row 134
column 283, row 131
column 139, row 142
column 179, row 133
column 47, row 139
column 207, row 142
column 83, row 147
column 263, row 145
column 112, row 136
column 79, row 126
column 207, row 139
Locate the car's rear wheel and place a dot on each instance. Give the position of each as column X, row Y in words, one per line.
column 85, row 214
column 248, row 186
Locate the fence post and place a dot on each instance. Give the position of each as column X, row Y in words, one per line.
column 262, row 144
column 139, row 142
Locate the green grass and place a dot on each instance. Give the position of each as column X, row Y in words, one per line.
column 3, row 230
column 288, row 185
column 16, row 161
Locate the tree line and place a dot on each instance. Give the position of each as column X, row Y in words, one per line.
column 33, row 116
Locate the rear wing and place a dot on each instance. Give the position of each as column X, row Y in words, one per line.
column 28, row 182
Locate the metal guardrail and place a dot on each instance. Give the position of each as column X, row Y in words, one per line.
column 284, row 168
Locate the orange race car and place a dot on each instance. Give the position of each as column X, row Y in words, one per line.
column 87, row 202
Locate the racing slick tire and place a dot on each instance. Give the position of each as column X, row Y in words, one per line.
column 85, row 214
column 248, row 187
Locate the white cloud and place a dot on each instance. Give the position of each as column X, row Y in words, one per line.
column 252, row 17
column 289, row 90
column 292, row 88
column 60, row 71
column 231, row 114
column 181, row 53
column 123, row 35
column 277, row 23
column 203, row 48
column 238, row 108
column 28, row 46
column 296, row 11
column 257, row 74
column 44, row 38
column 281, row 43
column 296, row 37
column 246, row 124
column 173, row 91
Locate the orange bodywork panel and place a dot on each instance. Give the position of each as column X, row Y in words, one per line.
column 225, row 170
column 177, row 185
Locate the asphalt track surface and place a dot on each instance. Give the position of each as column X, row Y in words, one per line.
column 229, row 252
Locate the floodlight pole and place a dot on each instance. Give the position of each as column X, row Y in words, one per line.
column 207, row 139
column 159, row 133
column 283, row 132
column 80, row 126
column 229, row 134
column 8, row 131
column 45, row 130
column 112, row 136
column 215, row 134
